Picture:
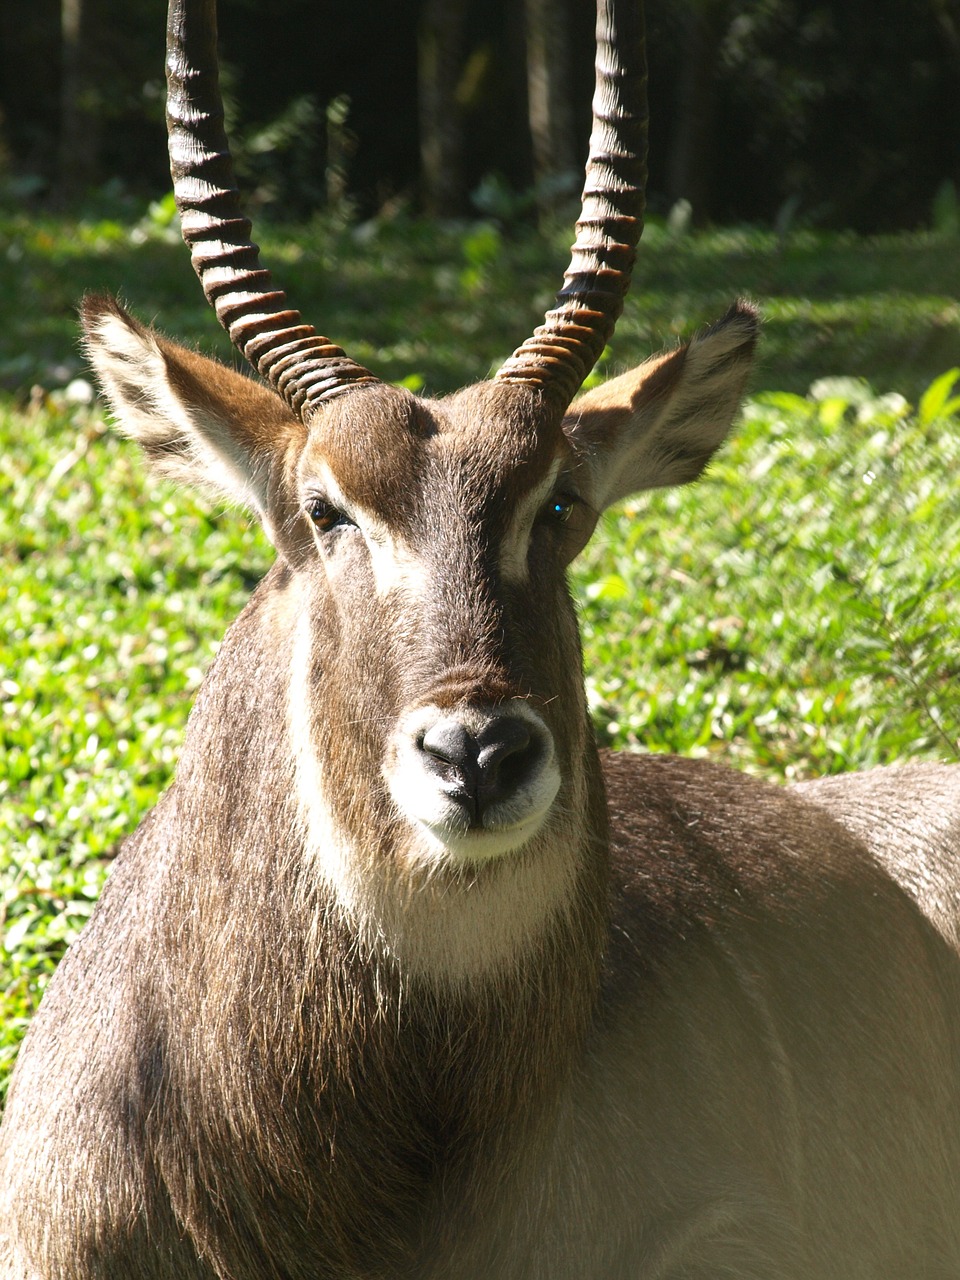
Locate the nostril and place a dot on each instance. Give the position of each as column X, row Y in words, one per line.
column 485, row 765
column 493, row 760
column 449, row 742
column 507, row 751
column 502, row 738
column 450, row 754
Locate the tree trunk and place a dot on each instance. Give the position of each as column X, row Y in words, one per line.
column 548, row 99
column 690, row 172
column 441, row 118
column 79, row 133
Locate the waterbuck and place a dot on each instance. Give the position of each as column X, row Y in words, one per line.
column 401, row 978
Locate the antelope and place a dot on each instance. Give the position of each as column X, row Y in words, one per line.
column 402, row 977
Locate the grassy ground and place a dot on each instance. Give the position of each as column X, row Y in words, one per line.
column 446, row 303
column 793, row 613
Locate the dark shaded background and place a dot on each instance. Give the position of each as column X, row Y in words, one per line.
column 837, row 113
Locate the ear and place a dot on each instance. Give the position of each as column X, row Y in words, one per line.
column 660, row 424
column 197, row 421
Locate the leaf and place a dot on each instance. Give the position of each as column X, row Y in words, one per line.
column 608, row 589
column 850, row 390
column 785, row 401
column 482, row 245
column 833, row 410
column 937, row 402
column 16, row 932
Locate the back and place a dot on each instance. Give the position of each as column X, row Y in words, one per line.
column 909, row 818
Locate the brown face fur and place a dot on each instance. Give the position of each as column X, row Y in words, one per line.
column 412, row 618
column 415, row 603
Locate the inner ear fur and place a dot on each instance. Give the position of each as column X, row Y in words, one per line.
column 661, row 423
column 198, row 421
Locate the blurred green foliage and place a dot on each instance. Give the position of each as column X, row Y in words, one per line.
column 844, row 112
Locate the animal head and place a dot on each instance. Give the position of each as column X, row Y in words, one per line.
column 435, row 702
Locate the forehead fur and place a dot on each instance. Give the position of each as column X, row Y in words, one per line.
column 383, row 443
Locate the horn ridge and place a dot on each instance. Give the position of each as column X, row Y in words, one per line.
column 304, row 366
column 611, row 221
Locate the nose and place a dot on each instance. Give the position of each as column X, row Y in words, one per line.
column 479, row 767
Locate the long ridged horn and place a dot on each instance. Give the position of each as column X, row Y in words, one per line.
column 303, row 366
column 565, row 348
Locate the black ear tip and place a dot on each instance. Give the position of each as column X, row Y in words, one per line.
column 96, row 307
column 737, row 331
column 93, row 305
column 734, row 336
column 745, row 315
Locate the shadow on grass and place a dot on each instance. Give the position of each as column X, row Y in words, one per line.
column 442, row 304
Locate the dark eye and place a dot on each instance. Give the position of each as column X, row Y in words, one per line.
column 559, row 508
column 326, row 516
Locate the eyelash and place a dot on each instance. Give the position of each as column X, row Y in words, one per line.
column 559, row 508
column 326, row 517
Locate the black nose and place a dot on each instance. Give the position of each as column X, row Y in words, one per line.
column 478, row 768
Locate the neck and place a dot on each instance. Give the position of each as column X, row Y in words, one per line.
column 407, row 1029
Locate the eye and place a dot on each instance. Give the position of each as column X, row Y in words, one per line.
column 326, row 516
column 560, row 507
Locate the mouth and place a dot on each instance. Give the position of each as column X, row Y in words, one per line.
column 476, row 782
column 461, row 842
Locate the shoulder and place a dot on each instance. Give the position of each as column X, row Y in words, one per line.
column 679, row 809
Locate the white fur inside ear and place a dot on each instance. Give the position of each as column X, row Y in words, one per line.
column 189, row 442
column 659, row 425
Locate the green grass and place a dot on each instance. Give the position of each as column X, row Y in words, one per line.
column 447, row 303
column 794, row 613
